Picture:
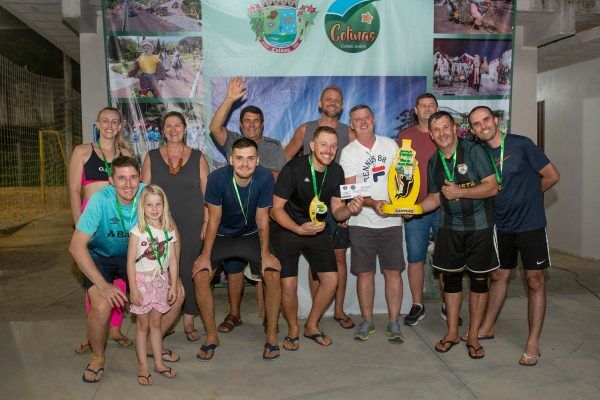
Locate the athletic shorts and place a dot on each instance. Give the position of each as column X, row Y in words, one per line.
column 317, row 250
column 476, row 251
column 111, row 268
column 418, row 230
column 532, row 245
column 339, row 235
column 369, row 243
column 238, row 248
column 234, row 265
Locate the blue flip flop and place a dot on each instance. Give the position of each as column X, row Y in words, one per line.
column 96, row 373
column 271, row 348
column 206, row 348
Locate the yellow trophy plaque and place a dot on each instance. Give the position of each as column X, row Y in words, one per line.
column 317, row 211
column 404, row 181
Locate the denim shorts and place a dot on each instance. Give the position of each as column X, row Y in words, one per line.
column 417, row 231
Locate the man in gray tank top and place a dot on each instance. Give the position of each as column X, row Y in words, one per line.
column 330, row 105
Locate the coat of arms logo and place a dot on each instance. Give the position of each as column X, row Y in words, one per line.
column 281, row 25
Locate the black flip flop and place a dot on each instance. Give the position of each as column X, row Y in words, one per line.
column 443, row 343
column 343, row 321
column 96, row 373
column 317, row 336
column 293, row 341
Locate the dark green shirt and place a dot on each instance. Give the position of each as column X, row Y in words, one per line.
column 472, row 165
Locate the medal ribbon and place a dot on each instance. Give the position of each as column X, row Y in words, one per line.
column 501, row 161
column 450, row 177
column 314, row 178
column 120, row 212
column 107, row 166
column 237, row 193
column 154, row 247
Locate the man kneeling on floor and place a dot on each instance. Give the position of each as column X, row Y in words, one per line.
column 99, row 247
column 238, row 197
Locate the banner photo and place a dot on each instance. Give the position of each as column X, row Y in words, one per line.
column 181, row 55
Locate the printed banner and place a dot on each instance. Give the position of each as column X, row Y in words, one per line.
column 180, row 55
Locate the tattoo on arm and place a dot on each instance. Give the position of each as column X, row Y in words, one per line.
column 263, row 245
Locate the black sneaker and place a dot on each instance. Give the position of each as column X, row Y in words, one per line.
column 445, row 317
column 417, row 313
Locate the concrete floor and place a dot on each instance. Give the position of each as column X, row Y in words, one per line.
column 42, row 319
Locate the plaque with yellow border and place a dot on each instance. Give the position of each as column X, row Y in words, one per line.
column 317, row 211
column 404, row 182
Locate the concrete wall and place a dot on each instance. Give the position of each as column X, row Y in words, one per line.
column 93, row 77
column 572, row 96
column 523, row 115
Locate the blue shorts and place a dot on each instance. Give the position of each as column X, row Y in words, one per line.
column 110, row 268
column 234, row 265
column 417, row 231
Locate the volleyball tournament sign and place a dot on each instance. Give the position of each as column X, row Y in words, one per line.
column 280, row 26
column 352, row 25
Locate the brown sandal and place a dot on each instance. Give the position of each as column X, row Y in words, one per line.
column 230, row 322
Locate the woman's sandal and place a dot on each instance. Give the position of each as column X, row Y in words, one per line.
column 145, row 380
column 442, row 343
column 168, row 373
column 526, row 357
column 192, row 335
column 83, row 348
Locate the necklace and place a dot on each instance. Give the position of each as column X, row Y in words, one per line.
column 174, row 169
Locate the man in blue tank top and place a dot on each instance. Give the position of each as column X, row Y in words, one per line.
column 523, row 173
column 99, row 247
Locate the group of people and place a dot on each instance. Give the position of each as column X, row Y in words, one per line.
column 166, row 227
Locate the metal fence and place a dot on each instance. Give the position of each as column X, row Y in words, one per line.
column 40, row 122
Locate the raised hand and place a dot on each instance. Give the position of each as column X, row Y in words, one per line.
column 236, row 89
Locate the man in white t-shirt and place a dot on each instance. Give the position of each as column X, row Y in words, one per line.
column 372, row 233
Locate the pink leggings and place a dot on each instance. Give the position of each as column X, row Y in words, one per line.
column 116, row 315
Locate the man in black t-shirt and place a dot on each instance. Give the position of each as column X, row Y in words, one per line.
column 304, row 181
column 461, row 181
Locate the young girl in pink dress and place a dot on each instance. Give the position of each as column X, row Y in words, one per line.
column 151, row 268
